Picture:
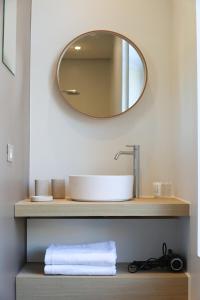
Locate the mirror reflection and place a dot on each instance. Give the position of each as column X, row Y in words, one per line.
column 102, row 74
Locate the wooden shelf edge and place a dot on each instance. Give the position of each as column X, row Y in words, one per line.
column 142, row 207
column 32, row 284
column 35, row 270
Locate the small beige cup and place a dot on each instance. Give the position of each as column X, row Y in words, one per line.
column 41, row 187
column 58, row 188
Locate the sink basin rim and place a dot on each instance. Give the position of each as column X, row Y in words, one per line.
column 101, row 187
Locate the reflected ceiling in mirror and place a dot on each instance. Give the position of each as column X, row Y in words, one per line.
column 102, row 74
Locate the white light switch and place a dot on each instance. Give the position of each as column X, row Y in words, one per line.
column 10, row 153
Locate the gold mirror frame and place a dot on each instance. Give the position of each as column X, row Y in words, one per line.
column 123, row 38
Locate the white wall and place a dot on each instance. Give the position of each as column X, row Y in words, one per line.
column 14, row 129
column 65, row 142
column 185, row 125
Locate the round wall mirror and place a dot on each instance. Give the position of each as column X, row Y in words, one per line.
column 101, row 74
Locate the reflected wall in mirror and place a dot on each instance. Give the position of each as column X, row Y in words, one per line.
column 9, row 34
column 102, row 74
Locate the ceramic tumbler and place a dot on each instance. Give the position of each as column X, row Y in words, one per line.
column 58, row 188
column 41, row 187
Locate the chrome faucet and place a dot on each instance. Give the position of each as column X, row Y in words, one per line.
column 136, row 167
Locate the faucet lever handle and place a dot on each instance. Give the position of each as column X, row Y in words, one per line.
column 135, row 147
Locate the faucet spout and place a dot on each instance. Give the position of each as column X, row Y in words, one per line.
column 117, row 155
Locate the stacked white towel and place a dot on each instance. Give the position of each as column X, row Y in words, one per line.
column 84, row 259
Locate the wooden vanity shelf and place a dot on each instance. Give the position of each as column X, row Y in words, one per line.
column 32, row 284
column 142, row 207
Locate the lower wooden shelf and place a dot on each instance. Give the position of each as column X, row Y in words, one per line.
column 32, row 284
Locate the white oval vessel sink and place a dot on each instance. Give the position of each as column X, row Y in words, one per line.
column 101, row 187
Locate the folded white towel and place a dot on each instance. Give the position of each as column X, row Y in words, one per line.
column 79, row 270
column 96, row 254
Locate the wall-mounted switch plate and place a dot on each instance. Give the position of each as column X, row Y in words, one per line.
column 10, row 153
